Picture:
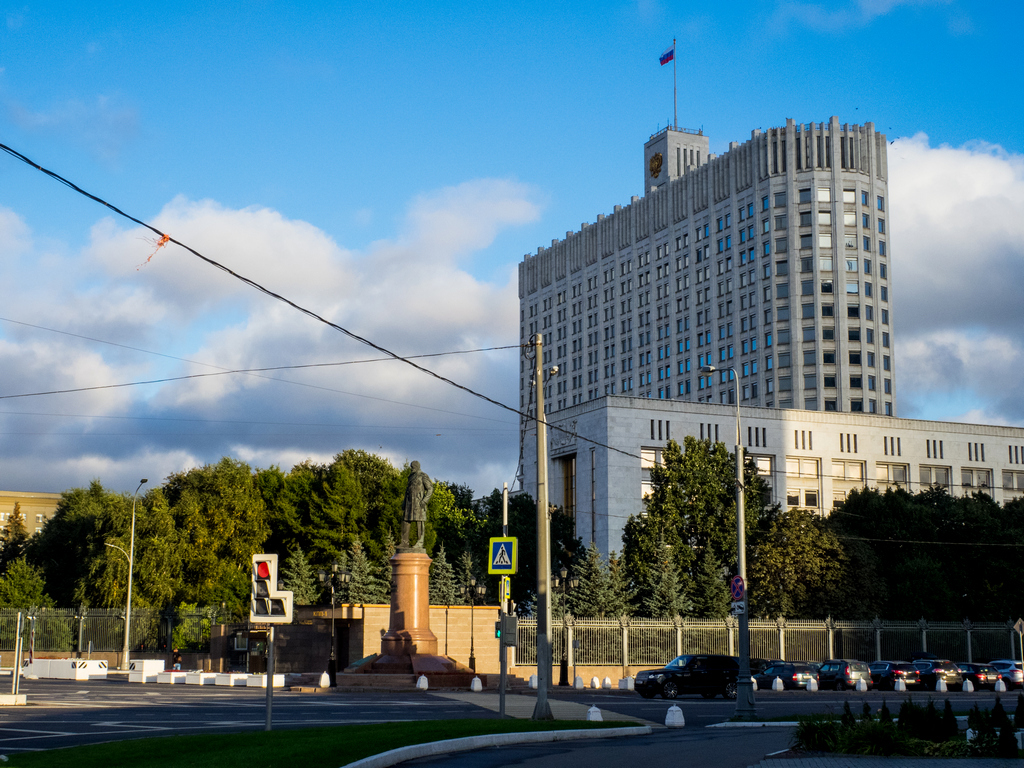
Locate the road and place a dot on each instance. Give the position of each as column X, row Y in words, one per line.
column 67, row 713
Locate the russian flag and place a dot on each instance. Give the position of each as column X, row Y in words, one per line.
column 668, row 55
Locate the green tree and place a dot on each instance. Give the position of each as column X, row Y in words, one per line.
column 383, row 491
column 710, row 589
column 592, row 596
column 666, row 596
column 620, row 598
column 13, row 539
column 443, row 589
column 794, row 560
column 365, row 586
column 300, row 578
column 22, row 586
column 220, row 518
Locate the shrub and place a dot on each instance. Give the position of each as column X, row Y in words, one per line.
column 949, row 727
column 884, row 715
column 1018, row 713
column 818, row 733
column 873, row 738
column 1007, row 745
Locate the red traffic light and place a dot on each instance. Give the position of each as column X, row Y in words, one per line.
column 263, row 569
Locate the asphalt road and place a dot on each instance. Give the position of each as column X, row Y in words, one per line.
column 68, row 713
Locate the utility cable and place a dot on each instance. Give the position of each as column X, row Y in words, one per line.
column 165, row 238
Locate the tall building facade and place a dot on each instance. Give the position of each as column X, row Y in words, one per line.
column 772, row 258
column 772, row 261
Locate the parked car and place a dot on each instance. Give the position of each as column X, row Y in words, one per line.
column 793, row 675
column 1011, row 671
column 933, row 670
column 706, row 674
column 884, row 674
column 843, row 673
column 980, row 675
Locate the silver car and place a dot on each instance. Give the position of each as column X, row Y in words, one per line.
column 1013, row 674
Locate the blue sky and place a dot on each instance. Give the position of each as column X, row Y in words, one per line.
column 389, row 164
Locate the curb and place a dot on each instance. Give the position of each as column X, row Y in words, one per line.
column 767, row 724
column 400, row 755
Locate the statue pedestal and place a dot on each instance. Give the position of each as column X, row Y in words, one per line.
column 409, row 631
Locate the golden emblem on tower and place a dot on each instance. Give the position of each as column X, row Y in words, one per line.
column 656, row 161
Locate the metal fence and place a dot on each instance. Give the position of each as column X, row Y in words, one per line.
column 638, row 642
column 71, row 630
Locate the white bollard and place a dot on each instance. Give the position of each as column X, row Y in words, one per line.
column 674, row 717
column 630, row 681
column 533, row 682
column 812, row 685
column 862, row 685
column 606, row 684
column 901, row 686
column 972, row 734
column 325, row 680
column 940, row 686
column 753, row 682
column 577, row 683
column 595, row 683
column 777, row 684
column 476, row 686
column 968, row 686
column 594, row 715
column 422, row 683
column 1000, row 686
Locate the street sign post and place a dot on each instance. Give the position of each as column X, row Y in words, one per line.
column 737, row 588
column 1019, row 628
column 504, row 556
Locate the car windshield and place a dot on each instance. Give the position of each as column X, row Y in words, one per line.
column 679, row 661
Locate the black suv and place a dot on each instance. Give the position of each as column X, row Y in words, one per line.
column 705, row 674
column 843, row 673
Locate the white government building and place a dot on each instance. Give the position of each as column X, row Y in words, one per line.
column 771, row 260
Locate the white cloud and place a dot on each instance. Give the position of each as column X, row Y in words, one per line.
column 104, row 124
column 957, row 239
column 834, row 16
column 410, row 293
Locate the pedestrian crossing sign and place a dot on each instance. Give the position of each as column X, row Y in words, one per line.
column 504, row 556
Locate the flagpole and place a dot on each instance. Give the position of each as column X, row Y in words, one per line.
column 675, row 103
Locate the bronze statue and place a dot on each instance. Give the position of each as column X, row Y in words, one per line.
column 417, row 496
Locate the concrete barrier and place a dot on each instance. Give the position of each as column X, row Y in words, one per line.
column 260, row 681
column 231, row 679
column 145, row 670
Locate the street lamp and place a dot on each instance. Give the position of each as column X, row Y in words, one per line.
column 564, row 582
column 335, row 576
column 472, row 591
column 131, row 562
column 745, row 707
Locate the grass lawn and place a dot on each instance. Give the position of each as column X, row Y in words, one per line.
column 298, row 748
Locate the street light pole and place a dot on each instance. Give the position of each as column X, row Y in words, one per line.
column 566, row 583
column 336, row 575
column 745, row 706
column 131, row 562
column 542, row 709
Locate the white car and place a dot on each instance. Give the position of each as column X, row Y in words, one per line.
column 1013, row 674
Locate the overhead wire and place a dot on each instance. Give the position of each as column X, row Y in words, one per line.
column 165, row 237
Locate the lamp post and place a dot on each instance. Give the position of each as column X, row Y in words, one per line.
column 472, row 591
column 565, row 582
column 745, row 707
column 131, row 562
column 336, row 576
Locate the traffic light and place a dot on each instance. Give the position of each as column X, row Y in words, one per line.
column 269, row 605
column 507, row 629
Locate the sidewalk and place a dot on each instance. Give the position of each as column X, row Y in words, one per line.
column 521, row 706
column 854, row 761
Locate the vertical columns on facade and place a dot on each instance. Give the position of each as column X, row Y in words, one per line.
column 730, row 625
column 624, row 626
column 923, row 626
column 830, row 631
column 967, row 631
column 678, row 623
column 1013, row 645
column 876, row 625
column 781, row 624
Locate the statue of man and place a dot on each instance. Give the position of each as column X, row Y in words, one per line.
column 417, row 496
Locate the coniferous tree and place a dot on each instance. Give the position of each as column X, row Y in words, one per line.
column 386, row 568
column 299, row 578
column 590, row 597
column 620, row 598
column 443, row 589
column 365, row 586
column 710, row 591
column 13, row 538
column 666, row 598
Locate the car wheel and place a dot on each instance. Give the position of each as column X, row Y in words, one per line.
column 708, row 694
column 840, row 685
column 669, row 690
column 646, row 694
column 729, row 692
